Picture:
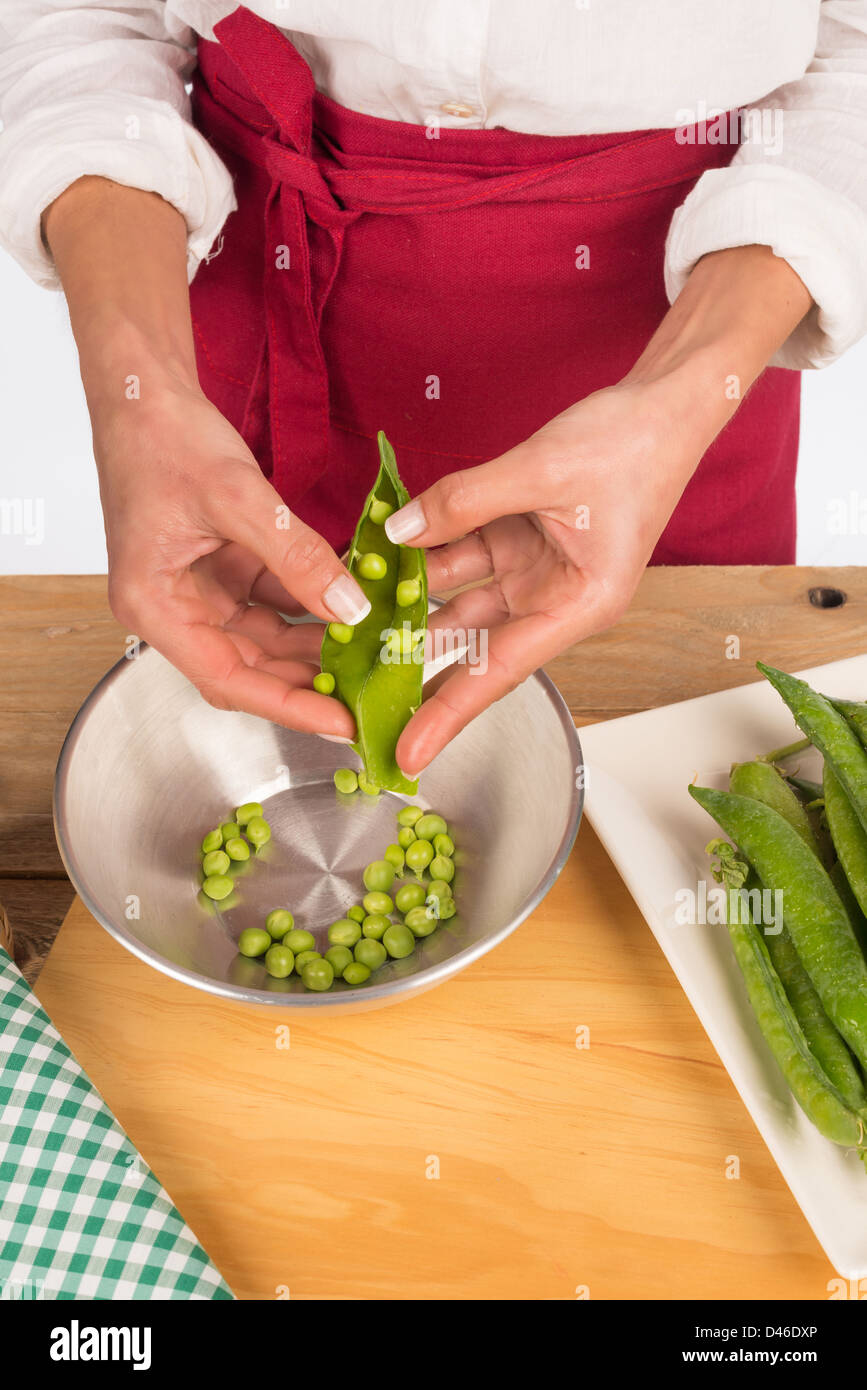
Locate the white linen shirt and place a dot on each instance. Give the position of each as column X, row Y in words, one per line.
column 101, row 87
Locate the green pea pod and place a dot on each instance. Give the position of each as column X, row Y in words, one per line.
column 379, row 684
column 763, row 782
column 849, row 836
column 817, row 1096
column 813, row 913
column 829, row 731
column 855, row 714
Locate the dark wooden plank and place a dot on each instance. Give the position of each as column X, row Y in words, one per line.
column 676, row 640
column 35, row 909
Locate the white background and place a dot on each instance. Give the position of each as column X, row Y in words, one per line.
column 46, row 451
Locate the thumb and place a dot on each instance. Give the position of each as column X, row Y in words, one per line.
column 460, row 502
column 303, row 563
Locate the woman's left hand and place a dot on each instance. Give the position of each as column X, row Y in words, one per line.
column 556, row 533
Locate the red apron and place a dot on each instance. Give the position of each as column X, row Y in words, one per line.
column 375, row 277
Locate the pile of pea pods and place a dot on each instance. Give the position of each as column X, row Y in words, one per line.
column 367, row 936
column 806, row 842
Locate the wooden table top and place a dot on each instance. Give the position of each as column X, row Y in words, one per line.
column 459, row 1145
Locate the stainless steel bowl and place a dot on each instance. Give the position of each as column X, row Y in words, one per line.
column 148, row 767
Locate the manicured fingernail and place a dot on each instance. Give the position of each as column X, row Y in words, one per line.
column 346, row 600
column 407, row 523
column 335, row 738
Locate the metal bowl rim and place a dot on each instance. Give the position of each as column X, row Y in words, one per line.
column 422, row 980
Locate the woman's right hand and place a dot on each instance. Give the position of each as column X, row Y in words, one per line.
column 204, row 557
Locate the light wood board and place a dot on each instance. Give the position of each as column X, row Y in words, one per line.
column 561, row 1169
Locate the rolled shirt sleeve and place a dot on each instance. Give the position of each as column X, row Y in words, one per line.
column 118, row 107
column 799, row 185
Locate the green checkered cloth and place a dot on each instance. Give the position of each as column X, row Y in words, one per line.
column 81, row 1214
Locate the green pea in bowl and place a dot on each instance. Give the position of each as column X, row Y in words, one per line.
column 148, row 767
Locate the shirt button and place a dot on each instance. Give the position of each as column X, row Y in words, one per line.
column 457, row 108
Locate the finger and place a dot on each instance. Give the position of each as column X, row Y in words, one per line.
column 268, row 590
column 514, row 651
column 209, row 657
column 235, row 572
column 277, row 638
column 298, row 674
column 483, row 607
column 463, row 562
column 302, row 562
column 462, row 501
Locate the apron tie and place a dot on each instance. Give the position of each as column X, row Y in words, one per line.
column 303, row 236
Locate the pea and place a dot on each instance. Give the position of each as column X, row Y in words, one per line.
column 394, row 855
column 409, row 896
column 379, row 511
column 299, row 940
column 318, row 975
column 254, row 942
column 444, row 844
column 407, row 593
column 237, row 849
column 345, row 780
column 442, row 868
column 229, row 830
column 213, row 840
column 430, row 825
column 215, row 863
column 258, row 830
column 279, row 962
column 304, row 958
column 372, row 566
column 377, row 902
column 379, row 876
column 399, row 941
column 323, row 682
column 447, row 908
column 356, row 973
column 399, row 642
column 246, row 812
column 421, row 921
column 344, row 932
column 217, row 886
column 341, row 632
column 408, row 815
column 338, row 957
column 370, row 953
column 279, row 922
column 369, row 788
column 356, row 914
column 439, row 889
column 375, row 926
column 418, row 856
column 405, row 836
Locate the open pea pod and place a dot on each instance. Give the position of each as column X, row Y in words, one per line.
column 378, row 673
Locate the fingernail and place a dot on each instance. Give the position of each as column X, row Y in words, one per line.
column 335, row 738
column 346, row 600
column 407, row 523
